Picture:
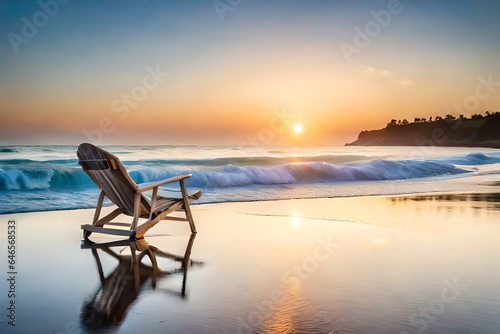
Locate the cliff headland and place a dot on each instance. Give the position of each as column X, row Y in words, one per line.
column 476, row 131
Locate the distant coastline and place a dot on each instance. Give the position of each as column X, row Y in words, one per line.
column 476, row 131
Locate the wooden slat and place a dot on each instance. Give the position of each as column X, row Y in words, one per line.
column 97, row 164
column 118, row 224
column 180, row 219
column 91, row 245
column 90, row 228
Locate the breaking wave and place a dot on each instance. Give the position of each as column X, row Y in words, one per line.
column 38, row 181
column 235, row 176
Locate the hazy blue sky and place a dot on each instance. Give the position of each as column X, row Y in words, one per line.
column 86, row 72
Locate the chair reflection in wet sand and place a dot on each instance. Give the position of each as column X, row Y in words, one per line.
column 119, row 289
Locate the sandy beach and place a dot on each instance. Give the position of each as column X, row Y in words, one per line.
column 409, row 264
column 341, row 161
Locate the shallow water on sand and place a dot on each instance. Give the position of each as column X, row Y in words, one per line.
column 410, row 264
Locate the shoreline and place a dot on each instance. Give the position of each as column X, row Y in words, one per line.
column 348, row 265
column 495, row 146
column 46, row 180
column 485, row 190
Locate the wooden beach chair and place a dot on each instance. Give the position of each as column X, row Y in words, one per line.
column 108, row 173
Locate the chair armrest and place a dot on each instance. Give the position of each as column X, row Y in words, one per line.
column 151, row 186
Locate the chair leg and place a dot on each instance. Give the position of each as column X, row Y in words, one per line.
column 190, row 219
column 97, row 213
column 109, row 217
column 137, row 211
column 187, row 208
column 142, row 229
column 98, row 207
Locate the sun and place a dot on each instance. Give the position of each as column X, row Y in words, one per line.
column 298, row 128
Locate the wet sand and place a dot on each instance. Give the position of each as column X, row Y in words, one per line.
column 406, row 264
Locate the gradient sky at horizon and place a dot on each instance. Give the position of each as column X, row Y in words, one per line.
column 231, row 81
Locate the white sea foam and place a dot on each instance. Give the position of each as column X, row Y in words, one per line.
column 28, row 181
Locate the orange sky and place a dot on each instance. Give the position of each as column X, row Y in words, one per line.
column 89, row 73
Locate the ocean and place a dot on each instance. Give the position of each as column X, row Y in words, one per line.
column 42, row 178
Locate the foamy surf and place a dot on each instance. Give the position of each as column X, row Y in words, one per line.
column 48, row 178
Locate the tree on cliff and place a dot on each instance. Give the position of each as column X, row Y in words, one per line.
column 393, row 122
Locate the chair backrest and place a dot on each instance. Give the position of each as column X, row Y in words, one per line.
column 108, row 173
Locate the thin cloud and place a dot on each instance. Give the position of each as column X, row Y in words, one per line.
column 387, row 73
column 383, row 73
column 406, row 82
